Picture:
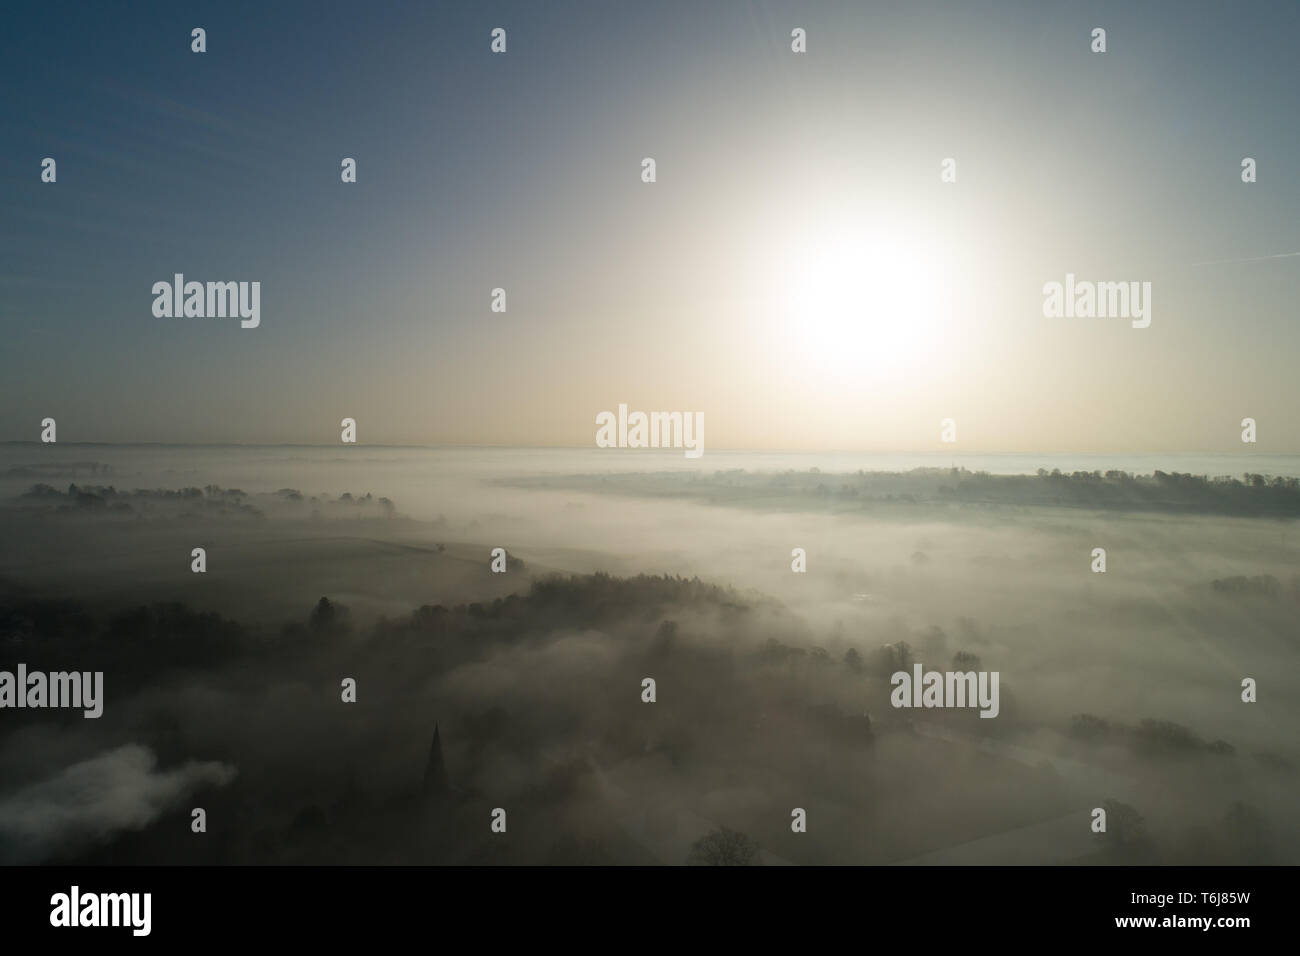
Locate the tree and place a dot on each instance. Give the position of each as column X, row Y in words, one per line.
column 724, row 847
column 1124, row 825
column 902, row 654
column 329, row 619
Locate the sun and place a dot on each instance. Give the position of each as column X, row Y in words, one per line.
column 862, row 306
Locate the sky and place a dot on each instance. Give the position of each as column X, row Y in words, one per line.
column 798, row 273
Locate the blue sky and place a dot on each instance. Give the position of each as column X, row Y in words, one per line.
column 522, row 171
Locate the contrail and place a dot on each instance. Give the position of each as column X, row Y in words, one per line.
column 1280, row 255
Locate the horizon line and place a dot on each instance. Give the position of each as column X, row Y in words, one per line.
column 557, row 447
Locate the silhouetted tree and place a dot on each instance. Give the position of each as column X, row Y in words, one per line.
column 724, row 847
column 329, row 619
column 1124, row 825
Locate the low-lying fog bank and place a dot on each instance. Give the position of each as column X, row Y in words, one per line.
column 223, row 689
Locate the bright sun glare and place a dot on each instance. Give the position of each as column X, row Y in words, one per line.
column 867, row 308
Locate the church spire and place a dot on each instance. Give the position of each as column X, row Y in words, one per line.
column 435, row 773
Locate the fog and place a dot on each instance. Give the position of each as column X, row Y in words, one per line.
column 1119, row 690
